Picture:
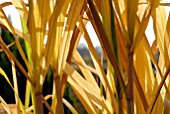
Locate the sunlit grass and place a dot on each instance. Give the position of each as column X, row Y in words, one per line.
column 128, row 85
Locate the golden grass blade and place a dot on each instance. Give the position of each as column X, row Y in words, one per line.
column 37, row 28
column 167, row 106
column 98, row 66
column 141, row 92
column 54, row 97
column 140, row 57
column 8, row 46
column 5, row 105
column 144, row 22
column 105, row 43
column 79, row 91
column 15, row 86
column 18, row 99
column 159, row 29
column 119, row 8
column 75, row 37
column 11, row 56
column 83, row 97
column 5, row 76
column 156, row 94
column 111, row 80
column 40, row 12
column 90, row 91
column 6, row 22
column 46, row 103
column 55, row 43
column 106, row 18
column 100, row 104
column 163, row 46
column 27, row 94
column 98, row 5
column 4, row 4
column 87, row 74
column 18, row 32
column 121, row 45
column 27, row 48
column 150, row 53
column 131, row 17
column 29, row 109
column 24, row 36
column 55, row 31
column 73, row 14
column 159, row 74
column 138, row 103
column 82, row 82
column 160, row 33
column 72, row 109
column 63, row 43
column 21, row 7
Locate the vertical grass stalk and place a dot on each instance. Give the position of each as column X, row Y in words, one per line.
column 130, row 99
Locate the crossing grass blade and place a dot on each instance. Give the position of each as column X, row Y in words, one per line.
column 72, row 109
column 5, row 106
column 6, row 22
column 21, row 7
column 15, row 92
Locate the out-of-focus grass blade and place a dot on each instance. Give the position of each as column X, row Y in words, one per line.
column 29, row 109
column 11, row 56
column 21, row 7
column 98, row 5
column 6, row 22
column 91, row 92
column 15, row 86
column 27, row 44
column 91, row 109
column 4, row 4
column 87, row 74
column 8, row 46
column 7, row 79
column 112, row 81
column 4, row 104
column 167, row 106
column 72, row 109
column 23, row 35
column 18, row 32
column 27, row 48
column 5, row 76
